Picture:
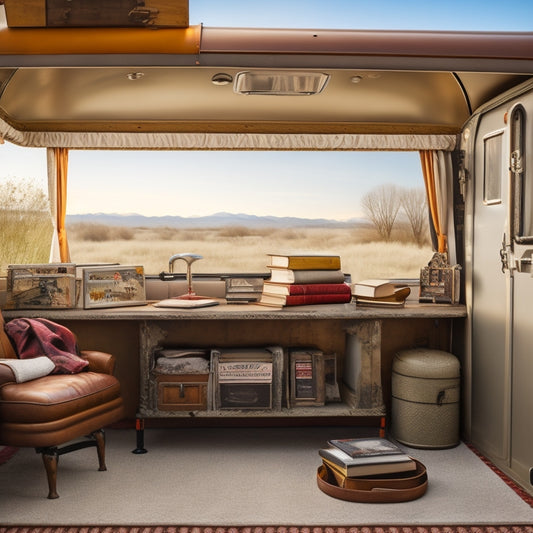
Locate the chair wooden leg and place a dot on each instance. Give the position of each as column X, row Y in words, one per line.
column 50, row 458
column 51, row 455
column 99, row 437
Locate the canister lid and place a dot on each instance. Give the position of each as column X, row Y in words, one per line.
column 426, row 363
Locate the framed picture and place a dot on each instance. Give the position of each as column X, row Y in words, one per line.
column 113, row 286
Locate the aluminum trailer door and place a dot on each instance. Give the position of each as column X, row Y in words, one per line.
column 502, row 289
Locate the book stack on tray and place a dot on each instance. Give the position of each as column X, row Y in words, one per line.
column 348, row 459
column 370, row 470
column 304, row 278
column 379, row 293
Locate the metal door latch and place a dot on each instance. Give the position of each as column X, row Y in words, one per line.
column 523, row 264
column 505, row 252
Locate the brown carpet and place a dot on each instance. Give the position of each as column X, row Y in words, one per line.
column 271, row 529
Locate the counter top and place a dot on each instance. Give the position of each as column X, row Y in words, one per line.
column 226, row 311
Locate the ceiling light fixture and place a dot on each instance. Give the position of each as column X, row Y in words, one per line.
column 280, row 83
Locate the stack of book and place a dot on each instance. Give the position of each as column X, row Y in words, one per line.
column 379, row 293
column 305, row 278
column 352, row 458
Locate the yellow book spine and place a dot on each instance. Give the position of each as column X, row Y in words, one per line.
column 314, row 263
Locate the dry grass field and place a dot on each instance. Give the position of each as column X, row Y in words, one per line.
column 27, row 229
column 239, row 249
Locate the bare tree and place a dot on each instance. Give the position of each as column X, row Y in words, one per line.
column 381, row 206
column 414, row 203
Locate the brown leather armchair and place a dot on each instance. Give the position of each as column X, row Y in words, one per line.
column 54, row 410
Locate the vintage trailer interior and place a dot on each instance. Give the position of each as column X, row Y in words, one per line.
column 464, row 100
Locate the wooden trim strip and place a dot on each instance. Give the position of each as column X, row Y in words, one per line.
column 69, row 41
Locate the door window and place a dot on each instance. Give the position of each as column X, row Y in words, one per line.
column 492, row 179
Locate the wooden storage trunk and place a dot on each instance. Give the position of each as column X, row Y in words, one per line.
column 90, row 13
column 182, row 392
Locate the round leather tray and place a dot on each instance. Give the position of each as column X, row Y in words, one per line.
column 374, row 489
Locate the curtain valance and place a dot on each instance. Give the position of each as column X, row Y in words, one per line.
column 226, row 141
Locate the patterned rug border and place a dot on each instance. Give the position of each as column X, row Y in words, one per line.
column 528, row 498
column 272, row 529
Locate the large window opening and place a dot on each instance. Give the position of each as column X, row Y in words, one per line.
column 25, row 217
column 234, row 208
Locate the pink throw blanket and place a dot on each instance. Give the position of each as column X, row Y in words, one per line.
column 34, row 337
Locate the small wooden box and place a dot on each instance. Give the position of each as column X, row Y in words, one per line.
column 182, row 392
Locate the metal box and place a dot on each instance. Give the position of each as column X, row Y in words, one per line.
column 41, row 286
column 247, row 378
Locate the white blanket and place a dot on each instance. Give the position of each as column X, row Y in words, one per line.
column 28, row 369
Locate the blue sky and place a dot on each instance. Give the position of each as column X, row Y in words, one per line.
column 511, row 15
column 282, row 183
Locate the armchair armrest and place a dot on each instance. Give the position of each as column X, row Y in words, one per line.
column 6, row 375
column 99, row 361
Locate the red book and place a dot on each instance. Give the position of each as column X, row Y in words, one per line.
column 286, row 289
column 279, row 300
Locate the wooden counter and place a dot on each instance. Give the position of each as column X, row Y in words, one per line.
column 246, row 312
column 132, row 332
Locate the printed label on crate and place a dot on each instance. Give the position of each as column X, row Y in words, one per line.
column 243, row 371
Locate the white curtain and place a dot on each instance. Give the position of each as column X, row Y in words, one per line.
column 442, row 163
column 55, row 256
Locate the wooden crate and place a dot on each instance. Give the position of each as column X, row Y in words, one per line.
column 90, row 13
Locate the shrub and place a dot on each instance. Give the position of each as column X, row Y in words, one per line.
column 92, row 232
column 235, row 231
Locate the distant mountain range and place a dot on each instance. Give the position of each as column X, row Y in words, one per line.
column 216, row 220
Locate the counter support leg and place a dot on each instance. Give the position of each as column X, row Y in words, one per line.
column 139, row 430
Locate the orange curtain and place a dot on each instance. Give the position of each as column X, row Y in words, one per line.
column 430, row 180
column 61, row 157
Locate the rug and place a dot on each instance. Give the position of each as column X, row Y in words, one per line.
column 256, row 480
column 273, row 529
